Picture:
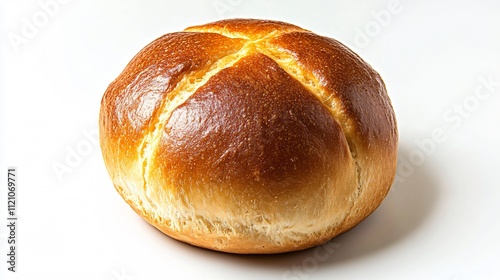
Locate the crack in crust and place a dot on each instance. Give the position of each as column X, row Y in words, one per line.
column 329, row 100
column 186, row 87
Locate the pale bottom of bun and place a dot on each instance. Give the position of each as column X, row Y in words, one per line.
column 239, row 235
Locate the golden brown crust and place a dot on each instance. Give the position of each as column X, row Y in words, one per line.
column 132, row 103
column 139, row 91
column 263, row 138
column 254, row 125
column 359, row 89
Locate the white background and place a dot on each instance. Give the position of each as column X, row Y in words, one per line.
column 440, row 221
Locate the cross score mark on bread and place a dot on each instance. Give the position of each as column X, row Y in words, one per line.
column 249, row 136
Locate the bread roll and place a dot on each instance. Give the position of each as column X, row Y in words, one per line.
column 249, row 136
